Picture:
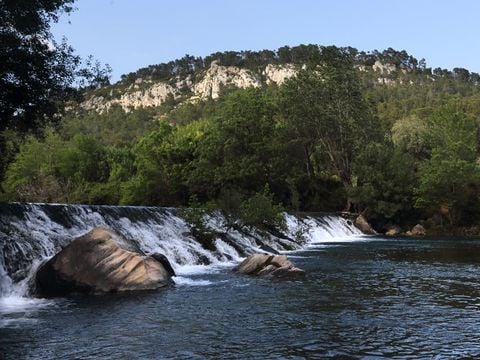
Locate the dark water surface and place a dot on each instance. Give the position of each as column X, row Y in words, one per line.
column 402, row 298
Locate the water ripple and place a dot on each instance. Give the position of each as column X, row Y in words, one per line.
column 400, row 299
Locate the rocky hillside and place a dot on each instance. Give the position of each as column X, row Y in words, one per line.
column 146, row 92
column 193, row 79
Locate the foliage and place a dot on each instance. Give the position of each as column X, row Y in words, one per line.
column 29, row 177
column 112, row 127
column 328, row 117
column 239, row 147
column 385, row 177
column 450, row 179
column 33, row 67
column 53, row 170
column 333, row 135
column 149, row 185
column 196, row 217
column 311, row 54
column 409, row 135
column 37, row 73
column 261, row 212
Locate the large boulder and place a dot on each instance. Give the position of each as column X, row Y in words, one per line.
column 364, row 226
column 101, row 262
column 268, row 265
column 417, row 230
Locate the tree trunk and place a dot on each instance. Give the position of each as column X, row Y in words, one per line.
column 348, row 205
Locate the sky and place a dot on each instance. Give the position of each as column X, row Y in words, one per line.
column 129, row 34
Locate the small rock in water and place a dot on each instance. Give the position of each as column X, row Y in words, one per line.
column 268, row 265
column 97, row 263
column 417, row 230
column 394, row 230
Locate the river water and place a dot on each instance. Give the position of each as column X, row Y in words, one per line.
column 363, row 297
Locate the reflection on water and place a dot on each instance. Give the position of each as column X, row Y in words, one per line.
column 374, row 299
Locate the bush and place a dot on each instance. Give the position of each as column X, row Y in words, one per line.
column 195, row 216
column 260, row 211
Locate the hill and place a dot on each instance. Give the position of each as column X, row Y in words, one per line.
column 307, row 128
column 193, row 79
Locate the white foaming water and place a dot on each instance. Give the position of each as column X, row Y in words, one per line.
column 184, row 281
column 14, row 303
column 31, row 233
column 17, row 310
column 5, row 281
column 324, row 229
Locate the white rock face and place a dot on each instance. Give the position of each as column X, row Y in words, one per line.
column 384, row 69
column 154, row 95
column 97, row 103
column 277, row 74
column 362, row 68
column 218, row 76
column 215, row 79
column 386, row 81
column 184, row 83
column 145, row 93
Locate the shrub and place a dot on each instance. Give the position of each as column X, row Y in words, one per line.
column 262, row 212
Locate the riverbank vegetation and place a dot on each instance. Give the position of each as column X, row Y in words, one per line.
column 331, row 138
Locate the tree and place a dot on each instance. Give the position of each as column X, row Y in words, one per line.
column 36, row 72
column 328, row 116
column 409, row 134
column 52, row 169
column 239, row 151
column 31, row 176
column 149, row 186
column 33, row 67
column 385, row 178
column 450, row 179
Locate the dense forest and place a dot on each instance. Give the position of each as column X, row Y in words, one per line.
column 331, row 138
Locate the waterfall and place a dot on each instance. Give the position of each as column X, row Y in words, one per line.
column 31, row 233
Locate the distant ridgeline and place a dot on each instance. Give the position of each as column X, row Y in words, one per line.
column 297, row 55
column 193, row 78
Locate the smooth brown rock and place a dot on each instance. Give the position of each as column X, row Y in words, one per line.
column 98, row 262
column 362, row 224
column 417, row 230
column 253, row 264
column 268, row 265
column 394, row 231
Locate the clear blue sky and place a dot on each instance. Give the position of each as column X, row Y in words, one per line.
column 130, row 34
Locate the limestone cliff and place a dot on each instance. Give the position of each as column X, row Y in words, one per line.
column 210, row 85
column 277, row 74
column 218, row 77
column 153, row 95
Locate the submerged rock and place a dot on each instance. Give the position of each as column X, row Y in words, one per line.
column 98, row 262
column 364, row 226
column 271, row 265
column 417, row 230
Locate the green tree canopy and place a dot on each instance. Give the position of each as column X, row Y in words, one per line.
column 385, row 177
column 450, row 179
column 34, row 69
column 328, row 117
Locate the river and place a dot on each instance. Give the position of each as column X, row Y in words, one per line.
column 363, row 297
